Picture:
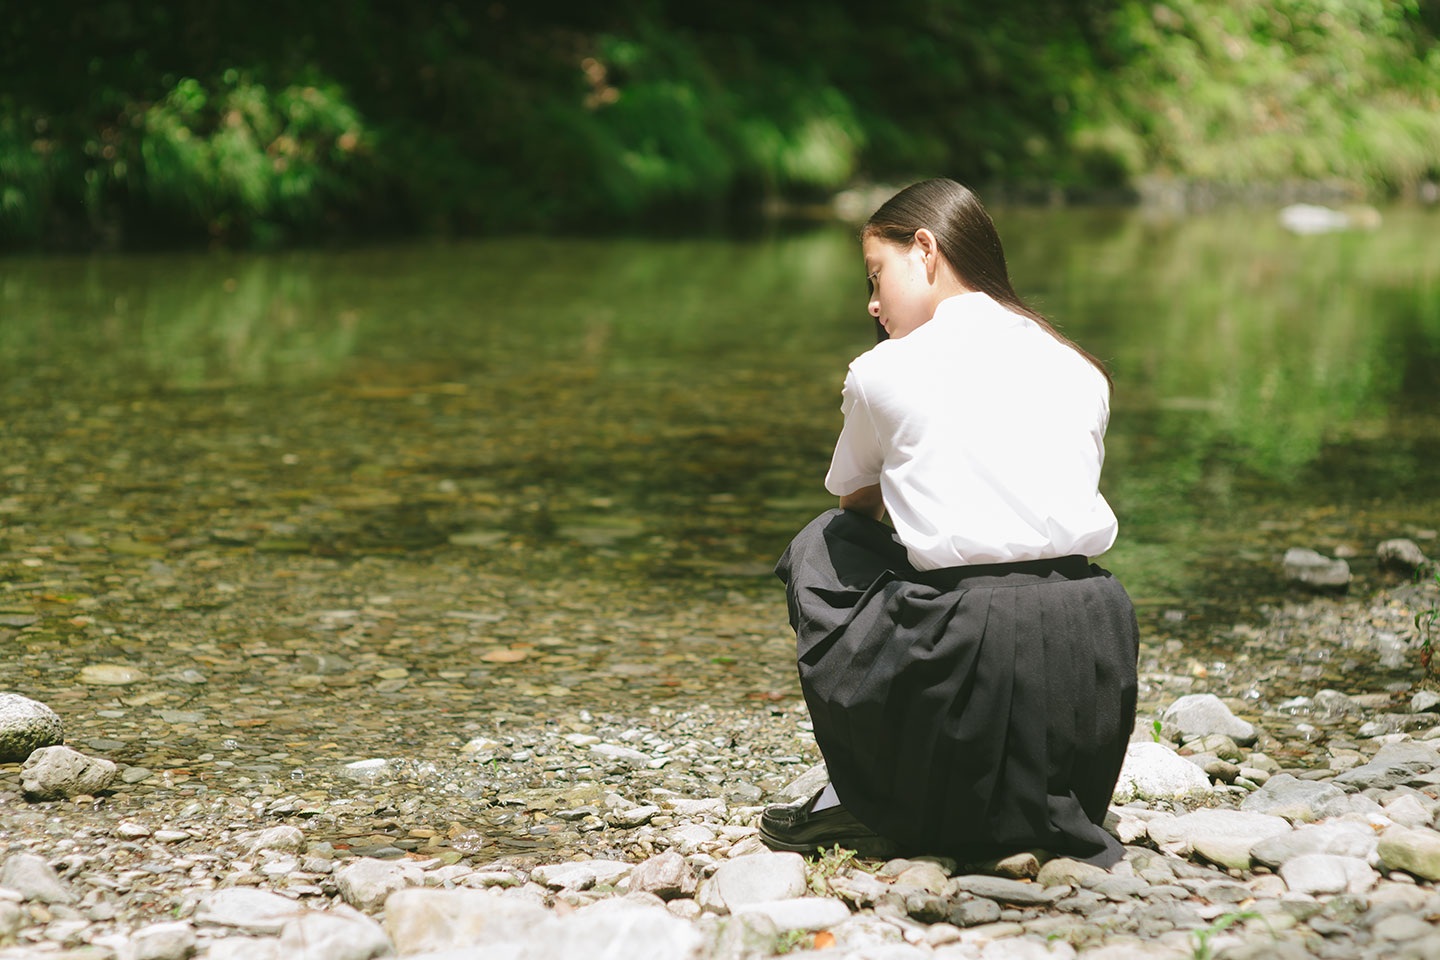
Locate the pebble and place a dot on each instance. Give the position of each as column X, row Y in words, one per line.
column 1329, row 842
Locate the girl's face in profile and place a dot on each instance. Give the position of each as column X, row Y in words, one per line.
column 901, row 295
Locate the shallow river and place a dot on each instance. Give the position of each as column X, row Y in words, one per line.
column 335, row 504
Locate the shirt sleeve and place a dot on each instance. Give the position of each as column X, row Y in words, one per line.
column 858, row 455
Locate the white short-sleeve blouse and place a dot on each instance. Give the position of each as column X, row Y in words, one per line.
column 986, row 435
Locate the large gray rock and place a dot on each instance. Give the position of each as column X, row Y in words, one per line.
column 420, row 920
column 1220, row 836
column 1345, row 838
column 1152, row 771
column 1315, row 572
column 1414, row 851
column 1400, row 554
column 1393, row 765
column 367, row 882
column 32, row 878
column 333, row 936
column 1199, row 714
column 758, row 878
column 666, row 875
column 247, row 910
column 58, row 773
column 1324, row 873
column 25, row 726
column 1007, row 891
column 1299, row 801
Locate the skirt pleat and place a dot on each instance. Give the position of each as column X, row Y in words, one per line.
column 970, row 711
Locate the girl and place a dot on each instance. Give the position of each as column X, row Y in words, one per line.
column 970, row 675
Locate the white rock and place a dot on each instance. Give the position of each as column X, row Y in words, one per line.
column 247, row 910
column 1021, row 948
column 1344, row 838
column 25, row 726
column 283, row 839
column 1305, row 219
column 1203, row 713
column 687, row 839
column 57, row 773
column 806, row 785
column 481, row 748
column 758, row 878
column 420, row 920
column 581, row 875
column 366, row 882
column 333, row 936
column 666, row 875
column 611, row 751
column 800, row 913
column 244, row 948
column 713, row 806
column 31, row 877
column 1152, row 771
column 110, row 674
column 10, row 919
column 163, row 941
column 1323, row 873
column 1407, row 811
column 1222, row 836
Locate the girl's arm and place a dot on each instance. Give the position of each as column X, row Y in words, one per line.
column 866, row 500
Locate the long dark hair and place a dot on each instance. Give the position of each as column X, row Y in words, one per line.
column 967, row 240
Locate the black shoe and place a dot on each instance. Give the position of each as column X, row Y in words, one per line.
column 795, row 827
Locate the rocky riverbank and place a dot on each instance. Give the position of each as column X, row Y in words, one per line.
column 1279, row 818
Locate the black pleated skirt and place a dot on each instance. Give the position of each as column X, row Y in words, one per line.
column 971, row 711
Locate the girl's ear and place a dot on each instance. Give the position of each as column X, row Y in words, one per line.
column 929, row 249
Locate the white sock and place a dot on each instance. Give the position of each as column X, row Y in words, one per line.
column 828, row 798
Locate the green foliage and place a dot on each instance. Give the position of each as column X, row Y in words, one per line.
column 829, row 865
column 1201, row 938
column 129, row 122
column 1426, row 618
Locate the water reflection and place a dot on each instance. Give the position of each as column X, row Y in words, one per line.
column 665, row 408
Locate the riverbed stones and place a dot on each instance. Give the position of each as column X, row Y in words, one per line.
column 1402, row 555
column 33, row 879
column 283, row 839
column 25, row 726
column 1152, row 771
column 1315, row 572
column 58, row 773
column 1200, row 714
column 1005, row 890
